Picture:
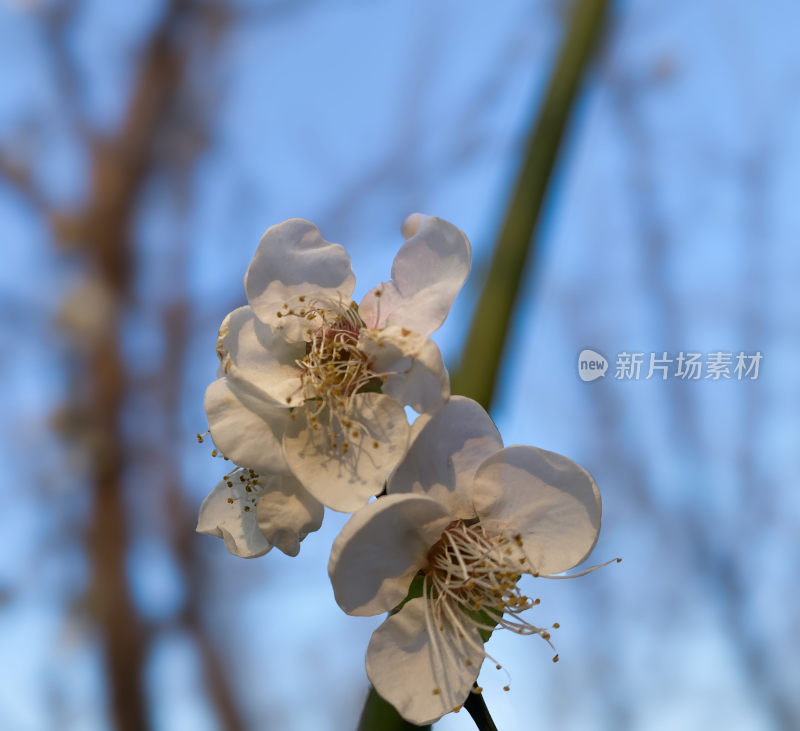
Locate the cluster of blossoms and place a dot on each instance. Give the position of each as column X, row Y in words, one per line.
column 309, row 406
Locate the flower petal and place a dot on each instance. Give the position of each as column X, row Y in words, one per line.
column 404, row 666
column 380, row 549
column 345, row 477
column 293, row 261
column 415, row 372
column 286, row 513
column 245, row 429
column 427, row 274
column 447, row 449
column 258, row 360
column 552, row 501
column 230, row 513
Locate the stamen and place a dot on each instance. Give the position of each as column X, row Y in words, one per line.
column 470, row 584
column 581, row 573
column 248, row 479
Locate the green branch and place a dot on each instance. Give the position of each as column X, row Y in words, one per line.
column 482, row 353
column 378, row 715
column 480, row 360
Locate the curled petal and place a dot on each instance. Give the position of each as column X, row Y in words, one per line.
column 422, row 680
column 286, row 513
column 294, row 261
column 259, row 361
column 245, row 429
column 427, row 274
column 446, row 450
column 344, row 463
column 412, row 365
column 380, row 549
column 549, row 499
column 230, row 513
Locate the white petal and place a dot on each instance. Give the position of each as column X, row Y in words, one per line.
column 293, row 261
column 258, row 360
column 406, row 669
column 287, row 513
column 344, row 479
column 245, row 429
column 416, row 375
column 427, row 274
column 447, row 449
column 230, row 513
column 381, row 548
column 552, row 501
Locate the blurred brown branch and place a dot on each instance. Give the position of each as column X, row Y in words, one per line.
column 100, row 233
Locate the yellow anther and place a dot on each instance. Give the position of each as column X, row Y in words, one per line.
column 230, row 501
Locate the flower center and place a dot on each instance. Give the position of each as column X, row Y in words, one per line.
column 478, row 574
column 471, row 583
column 334, row 368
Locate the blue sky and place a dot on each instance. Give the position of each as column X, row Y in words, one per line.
column 671, row 226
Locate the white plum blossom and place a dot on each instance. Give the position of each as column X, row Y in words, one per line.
column 252, row 513
column 311, row 384
column 465, row 518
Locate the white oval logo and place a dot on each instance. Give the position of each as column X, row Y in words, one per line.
column 591, row 365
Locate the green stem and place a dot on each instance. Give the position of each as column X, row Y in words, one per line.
column 476, row 707
column 378, row 715
column 482, row 353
